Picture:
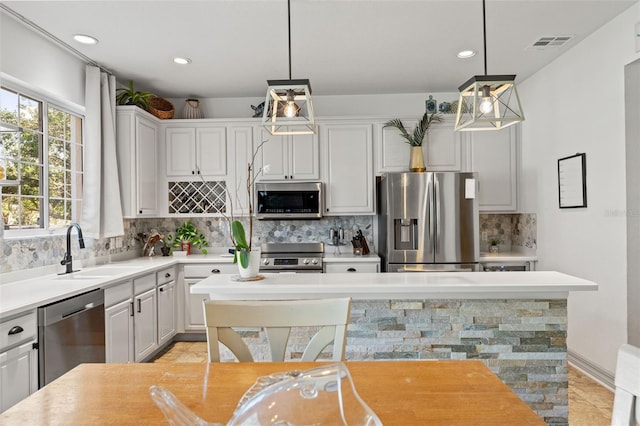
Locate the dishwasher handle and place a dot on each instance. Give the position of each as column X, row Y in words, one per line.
column 77, row 311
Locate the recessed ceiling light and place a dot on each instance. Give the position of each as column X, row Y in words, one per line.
column 85, row 39
column 182, row 61
column 466, row 54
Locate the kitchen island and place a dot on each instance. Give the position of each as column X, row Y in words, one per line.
column 515, row 322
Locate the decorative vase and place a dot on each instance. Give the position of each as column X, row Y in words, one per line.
column 416, row 163
column 251, row 271
column 494, row 249
column 185, row 247
column 192, row 109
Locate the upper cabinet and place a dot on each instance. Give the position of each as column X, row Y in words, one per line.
column 137, row 151
column 494, row 155
column 442, row 147
column 196, row 151
column 288, row 157
column 347, row 159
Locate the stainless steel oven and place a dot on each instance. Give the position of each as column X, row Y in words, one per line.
column 292, row 257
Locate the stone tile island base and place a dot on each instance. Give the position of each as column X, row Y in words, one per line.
column 521, row 341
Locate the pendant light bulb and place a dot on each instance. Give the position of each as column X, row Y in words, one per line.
column 291, row 108
column 486, row 105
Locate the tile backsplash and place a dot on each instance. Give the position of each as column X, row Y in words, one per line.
column 517, row 232
column 34, row 252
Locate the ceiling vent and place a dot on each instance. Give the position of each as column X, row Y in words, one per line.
column 551, row 42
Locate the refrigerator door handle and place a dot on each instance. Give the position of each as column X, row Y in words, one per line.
column 438, row 212
column 430, row 212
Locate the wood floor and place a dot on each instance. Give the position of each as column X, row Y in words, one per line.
column 589, row 403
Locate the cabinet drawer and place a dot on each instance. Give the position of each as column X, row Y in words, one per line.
column 166, row 275
column 117, row 293
column 143, row 284
column 18, row 329
column 204, row 270
column 332, row 268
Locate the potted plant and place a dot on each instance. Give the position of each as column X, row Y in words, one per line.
column 245, row 255
column 186, row 236
column 415, row 140
column 494, row 245
column 129, row 96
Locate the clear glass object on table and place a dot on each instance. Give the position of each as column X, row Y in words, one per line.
column 319, row 396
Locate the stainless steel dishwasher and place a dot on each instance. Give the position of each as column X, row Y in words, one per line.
column 70, row 332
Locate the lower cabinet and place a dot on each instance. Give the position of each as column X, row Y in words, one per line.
column 359, row 267
column 145, row 324
column 193, row 274
column 119, row 330
column 18, row 360
column 166, row 312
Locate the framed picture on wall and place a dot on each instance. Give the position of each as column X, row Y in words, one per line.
column 572, row 181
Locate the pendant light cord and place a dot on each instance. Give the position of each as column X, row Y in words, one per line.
column 289, row 31
column 484, row 40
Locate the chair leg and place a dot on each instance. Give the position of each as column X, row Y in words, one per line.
column 623, row 409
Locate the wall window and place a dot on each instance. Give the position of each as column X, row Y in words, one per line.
column 46, row 157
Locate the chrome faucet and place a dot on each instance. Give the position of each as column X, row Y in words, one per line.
column 68, row 260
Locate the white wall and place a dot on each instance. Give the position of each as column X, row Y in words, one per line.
column 576, row 104
column 35, row 63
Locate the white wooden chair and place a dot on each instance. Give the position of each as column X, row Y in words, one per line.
column 277, row 317
column 626, row 403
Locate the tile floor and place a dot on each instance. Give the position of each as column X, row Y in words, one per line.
column 590, row 404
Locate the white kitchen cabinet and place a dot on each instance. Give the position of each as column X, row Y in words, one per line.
column 494, row 155
column 193, row 274
column 145, row 324
column 119, row 317
column 347, row 158
column 200, row 150
column 18, row 359
column 240, row 155
column 167, row 315
column 136, row 141
column 442, row 148
column 288, row 157
column 119, row 332
column 355, row 267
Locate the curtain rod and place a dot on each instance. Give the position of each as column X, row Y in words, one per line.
column 53, row 38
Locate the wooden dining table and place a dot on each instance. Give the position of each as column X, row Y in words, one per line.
column 399, row 392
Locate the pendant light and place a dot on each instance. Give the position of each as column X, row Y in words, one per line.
column 488, row 102
column 287, row 108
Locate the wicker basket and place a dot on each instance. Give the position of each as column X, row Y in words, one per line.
column 161, row 108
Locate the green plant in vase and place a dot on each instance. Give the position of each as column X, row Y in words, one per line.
column 187, row 233
column 415, row 140
column 130, row 96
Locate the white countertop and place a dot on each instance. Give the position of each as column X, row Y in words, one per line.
column 407, row 285
column 20, row 296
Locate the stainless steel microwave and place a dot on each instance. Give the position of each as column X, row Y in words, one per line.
column 289, row 200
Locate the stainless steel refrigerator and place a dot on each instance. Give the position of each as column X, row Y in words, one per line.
column 428, row 221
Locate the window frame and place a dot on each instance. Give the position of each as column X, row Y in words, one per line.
column 47, row 101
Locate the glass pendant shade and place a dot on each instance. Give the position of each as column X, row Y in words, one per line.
column 288, row 109
column 488, row 102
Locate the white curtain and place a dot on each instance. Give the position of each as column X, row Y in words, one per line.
column 101, row 205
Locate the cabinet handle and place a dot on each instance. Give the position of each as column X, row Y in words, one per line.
column 130, row 309
column 291, row 177
column 140, row 212
column 139, row 306
column 351, row 270
column 215, row 271
column 286, row 177
column 161, row 289
column 167, row 275
column 16, row 330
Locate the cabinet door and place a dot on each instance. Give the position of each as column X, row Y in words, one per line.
column 348, row 161
column 147, row 167
column 145, row 324
column 273, row 157
column 442, row 148
column 194, row 313
column 119, row 332
column 211, row 151
column 181, row 151
column 304, row 162
column 241, row 154
column 494, row 157
column 18, row 374
column 392, row 151
column 166, row 312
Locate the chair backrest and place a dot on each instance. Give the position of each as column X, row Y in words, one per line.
column 277, row 317
column 626, row 402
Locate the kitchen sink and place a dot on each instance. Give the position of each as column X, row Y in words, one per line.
column 99, row 272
